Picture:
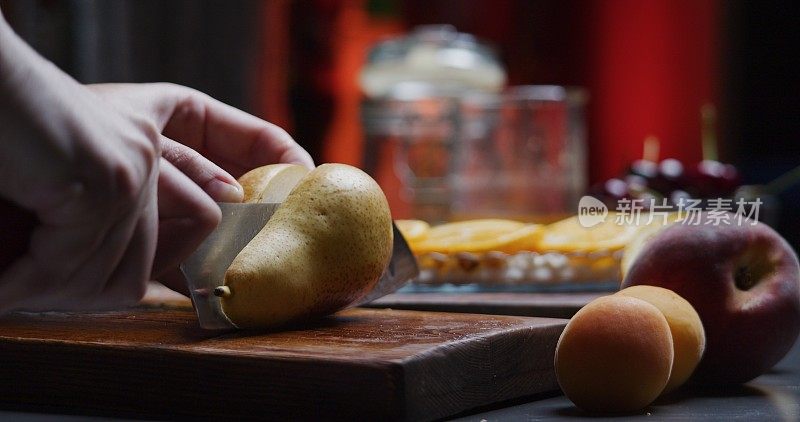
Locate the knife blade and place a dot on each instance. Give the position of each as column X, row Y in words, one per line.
column 205, row 268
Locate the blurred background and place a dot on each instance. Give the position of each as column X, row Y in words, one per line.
column 643, row 69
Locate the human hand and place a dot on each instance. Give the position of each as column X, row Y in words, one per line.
column 88, row 172
column 85, row 164
column 207, row 131
column 195, row 126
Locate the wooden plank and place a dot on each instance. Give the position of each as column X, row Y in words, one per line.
column 551, row 305
column 360, row 364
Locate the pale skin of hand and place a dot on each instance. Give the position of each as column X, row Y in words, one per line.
column 197, row 129
column 114, row 176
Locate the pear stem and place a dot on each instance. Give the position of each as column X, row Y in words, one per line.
column 222, row 291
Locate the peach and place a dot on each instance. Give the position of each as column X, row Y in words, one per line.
column 743, row 279
column 688, row 336
column 615, row 355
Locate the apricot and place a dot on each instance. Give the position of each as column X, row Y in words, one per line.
column 688, row 336
column 615, row 355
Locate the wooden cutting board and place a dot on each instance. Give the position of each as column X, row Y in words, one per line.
column 362, row 364
column 553, row 305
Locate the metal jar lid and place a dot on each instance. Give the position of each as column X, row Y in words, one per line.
column 433, row 60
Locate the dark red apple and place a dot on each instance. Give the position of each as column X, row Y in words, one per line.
column 611, row 191
column 713, row 179
column 670, row 177
column 744, row 282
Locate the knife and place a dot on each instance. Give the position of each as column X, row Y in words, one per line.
column 205, row 268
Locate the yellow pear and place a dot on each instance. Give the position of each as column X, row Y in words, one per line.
column 324, row 248
column 271, row 183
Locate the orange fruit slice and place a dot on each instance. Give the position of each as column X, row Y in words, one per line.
column 569, row 235
column 479, row 236
column 413, row 230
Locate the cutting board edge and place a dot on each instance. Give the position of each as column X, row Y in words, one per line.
column 538, row 378
column 394, row 400
column 141, row 392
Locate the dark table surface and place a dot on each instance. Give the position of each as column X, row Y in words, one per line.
column 774, row 396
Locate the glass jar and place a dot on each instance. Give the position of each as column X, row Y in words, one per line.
column 521, row 155
column 411, row 114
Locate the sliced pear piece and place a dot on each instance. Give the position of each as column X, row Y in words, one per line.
column 271, row 183
column 324, row 248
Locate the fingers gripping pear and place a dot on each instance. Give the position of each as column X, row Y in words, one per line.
column 325, row 247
